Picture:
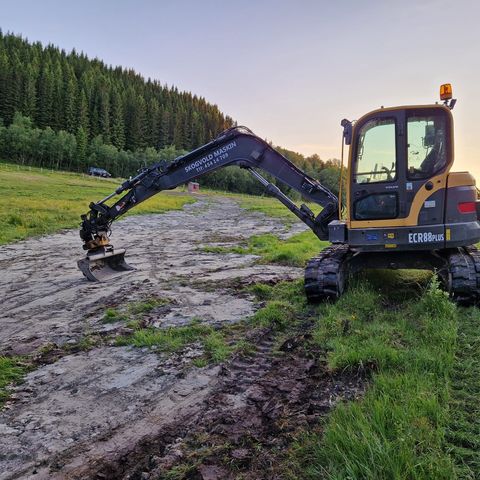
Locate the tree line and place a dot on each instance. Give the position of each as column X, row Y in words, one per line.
column 63, row 110
column 23, row 143
column 70, row 92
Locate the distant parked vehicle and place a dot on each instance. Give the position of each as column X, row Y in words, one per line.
column 98, row 172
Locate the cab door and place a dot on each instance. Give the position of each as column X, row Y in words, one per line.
column 428, row 155
column 378, row 168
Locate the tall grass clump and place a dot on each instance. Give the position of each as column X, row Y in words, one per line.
column 397, row 431
column 285, row 304
column 11, row 370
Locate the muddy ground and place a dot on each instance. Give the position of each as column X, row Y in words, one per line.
column 120, row 412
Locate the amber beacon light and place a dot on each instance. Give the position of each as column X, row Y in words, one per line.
column 446, row 91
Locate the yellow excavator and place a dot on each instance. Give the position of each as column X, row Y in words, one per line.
column 404, row 207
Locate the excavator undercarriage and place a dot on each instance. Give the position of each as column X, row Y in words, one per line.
column 458, row 270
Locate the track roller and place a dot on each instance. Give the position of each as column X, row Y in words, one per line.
column 461, row 278
column 326, row 274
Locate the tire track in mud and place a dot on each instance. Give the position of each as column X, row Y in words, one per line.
column 257, row 406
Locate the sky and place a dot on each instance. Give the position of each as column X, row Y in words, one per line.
column 289, row 70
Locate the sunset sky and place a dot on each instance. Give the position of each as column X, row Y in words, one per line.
column 289, row 70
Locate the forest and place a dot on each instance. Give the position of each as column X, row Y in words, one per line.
column 64, row 111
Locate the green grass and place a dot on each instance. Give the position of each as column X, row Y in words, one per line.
column 265, row 204
column 12, row 369
column 216, row 349
column 269, row 206
column 142, row 307
column 166, row 339
column 174, row 339
column 289, row 293
column 397, row 431
column 463, row 431
column 133, row 311
column 277, row 314
column 113, row 315
column 285, row 307
column 35, row 202
column 294, row 251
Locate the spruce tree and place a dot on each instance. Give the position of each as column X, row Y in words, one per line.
column 81, row 152
column 135, row 121
column 57, row 121
column 153, row 127
column 70, row 99
column 117, row 120
column 12, row 102
column 103, row 109
column 4, row 73
column 166, row 138
column 82, row 112
column 45, row 89
column 178, row 132
column 29, row 92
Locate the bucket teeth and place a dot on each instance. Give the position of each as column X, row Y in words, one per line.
column 103, row 266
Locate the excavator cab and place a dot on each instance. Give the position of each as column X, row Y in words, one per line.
column 401, row 193
column 393, row 164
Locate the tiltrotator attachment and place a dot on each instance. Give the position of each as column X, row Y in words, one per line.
column 102, row 265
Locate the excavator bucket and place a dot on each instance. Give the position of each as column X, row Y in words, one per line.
column 103, row 266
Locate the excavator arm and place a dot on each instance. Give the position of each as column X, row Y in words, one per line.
column 236, row 146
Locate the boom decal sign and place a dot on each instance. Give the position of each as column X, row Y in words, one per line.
column 425, row 237
column 211, row 159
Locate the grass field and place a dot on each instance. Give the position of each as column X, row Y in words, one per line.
column 35, row 202
column 420, row 416
column 463, row 431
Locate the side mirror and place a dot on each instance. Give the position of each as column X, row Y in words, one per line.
column 347, row 131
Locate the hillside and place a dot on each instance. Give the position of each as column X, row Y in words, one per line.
column 64, row 111
column 70, row 92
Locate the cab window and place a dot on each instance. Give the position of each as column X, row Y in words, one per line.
column 376, row 152
column 376, row 206
column 426, row 144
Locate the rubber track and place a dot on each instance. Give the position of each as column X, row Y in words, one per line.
column 464, row 268
column 325, row 274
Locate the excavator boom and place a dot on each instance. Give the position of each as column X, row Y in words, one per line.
column 236, row 146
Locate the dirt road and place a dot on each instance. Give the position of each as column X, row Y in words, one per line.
column 87, row 409
column 44, row 299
